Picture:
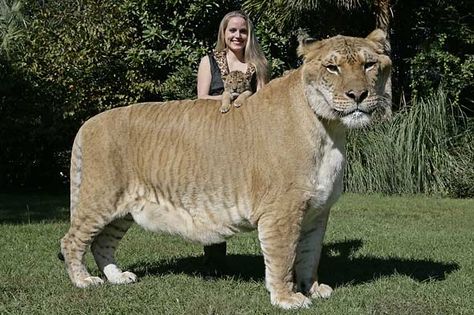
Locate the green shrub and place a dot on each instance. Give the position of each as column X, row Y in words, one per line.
column 81, row 58
column 417, row 152
column 62, row 61
column 436, row 66
column 462, row 173
column 12, row 26
column 432, row 47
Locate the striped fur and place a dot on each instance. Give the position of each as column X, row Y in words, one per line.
column 180, row 167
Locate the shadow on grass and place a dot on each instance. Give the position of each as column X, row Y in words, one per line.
column 338, row 266
column 23, row 208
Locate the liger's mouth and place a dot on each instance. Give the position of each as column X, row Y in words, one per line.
column 357, row 111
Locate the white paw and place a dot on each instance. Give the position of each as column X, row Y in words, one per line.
column 116, row 276
column 123, row 278
column 320, row 291
column 291, row 301
column 88, row 281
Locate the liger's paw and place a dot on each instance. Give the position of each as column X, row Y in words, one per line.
column 320, row 290
column 88, row 282
column 237, row 104
column 291, row 300
column 123, row 278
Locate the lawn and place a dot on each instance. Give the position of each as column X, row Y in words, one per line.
column 383, row 255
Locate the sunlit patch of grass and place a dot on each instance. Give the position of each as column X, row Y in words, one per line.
column 383, row 255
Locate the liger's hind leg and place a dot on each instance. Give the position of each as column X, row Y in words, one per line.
column 81, row 233
column 104, row 246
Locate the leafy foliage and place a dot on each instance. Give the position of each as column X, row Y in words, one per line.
column 433, row 47
column 453, row 72
column 416, row 152
column 81, row 58
column 64, row 61
column 12, row 24
column 289, row 13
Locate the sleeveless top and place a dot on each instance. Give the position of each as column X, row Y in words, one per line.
column 220, row 68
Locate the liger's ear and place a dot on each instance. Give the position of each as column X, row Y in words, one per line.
column 304, row 42
column 379, row 37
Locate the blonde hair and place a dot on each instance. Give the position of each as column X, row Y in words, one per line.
column 253, row 52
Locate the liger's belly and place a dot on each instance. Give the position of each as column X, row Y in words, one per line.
column 204, row 222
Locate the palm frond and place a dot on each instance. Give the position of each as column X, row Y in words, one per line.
column 12, row 24
column 287, row 12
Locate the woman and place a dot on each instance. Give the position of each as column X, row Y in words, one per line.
column 237, row 48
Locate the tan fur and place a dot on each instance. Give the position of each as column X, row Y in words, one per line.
column 236, row 88
column 276, row 165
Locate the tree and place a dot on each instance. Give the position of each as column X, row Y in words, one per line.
column 12, row 24
column 83, row 57
column 289, row 12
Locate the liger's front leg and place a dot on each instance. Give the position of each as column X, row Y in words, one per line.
column 278, row 235
column 308, row 251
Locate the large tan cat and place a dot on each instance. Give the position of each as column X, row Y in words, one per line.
column 275, row 165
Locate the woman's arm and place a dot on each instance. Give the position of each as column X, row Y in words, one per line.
column 204, row 80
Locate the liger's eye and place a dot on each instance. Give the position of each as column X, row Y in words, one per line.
column 332, row 69
column 369, row 65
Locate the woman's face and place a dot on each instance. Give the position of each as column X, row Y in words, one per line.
column 236, row 34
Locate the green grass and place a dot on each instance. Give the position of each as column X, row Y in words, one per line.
column 383, row 255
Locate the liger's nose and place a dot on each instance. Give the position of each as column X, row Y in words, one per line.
column 357, row 96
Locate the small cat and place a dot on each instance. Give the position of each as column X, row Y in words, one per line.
column 236, row 88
